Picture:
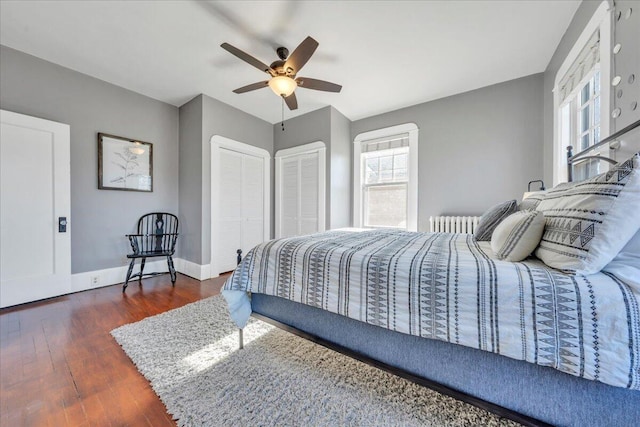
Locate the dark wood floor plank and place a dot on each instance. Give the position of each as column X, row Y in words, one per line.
column 60, row 366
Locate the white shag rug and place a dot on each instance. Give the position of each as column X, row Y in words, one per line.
column 191, row 358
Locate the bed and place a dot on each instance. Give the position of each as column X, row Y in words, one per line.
column 552, row 339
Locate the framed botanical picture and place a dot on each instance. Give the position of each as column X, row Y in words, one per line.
column 124, row 164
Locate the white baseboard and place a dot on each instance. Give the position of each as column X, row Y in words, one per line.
column 111, row 276
column 191, row 269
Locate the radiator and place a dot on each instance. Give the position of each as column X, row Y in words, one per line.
column 453, row 224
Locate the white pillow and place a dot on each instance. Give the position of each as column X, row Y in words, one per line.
column 626, row 265
column 531, row 200
column 517, row 235
column 587, row 223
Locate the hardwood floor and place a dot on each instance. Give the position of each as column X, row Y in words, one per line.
column 59, row 366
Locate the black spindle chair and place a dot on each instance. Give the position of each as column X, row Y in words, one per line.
column 157, row 236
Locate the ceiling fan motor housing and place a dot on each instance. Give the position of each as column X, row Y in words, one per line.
column 278, row 67
column 283, row 53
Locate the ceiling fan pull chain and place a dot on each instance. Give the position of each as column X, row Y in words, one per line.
column 282, row 113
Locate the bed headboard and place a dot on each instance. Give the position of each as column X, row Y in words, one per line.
column 620, row 146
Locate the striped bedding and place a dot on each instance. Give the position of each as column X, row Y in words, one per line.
column 449, row 287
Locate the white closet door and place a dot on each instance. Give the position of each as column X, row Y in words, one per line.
column 300, row 190
column 231, row 198
column 241, row 211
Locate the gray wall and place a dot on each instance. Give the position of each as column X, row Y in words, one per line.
column 200, row 119
column 475, row 149
column 190, row 172
column 99, row 218
column 341, row 171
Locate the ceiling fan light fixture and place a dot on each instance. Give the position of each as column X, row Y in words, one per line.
column 282, row 85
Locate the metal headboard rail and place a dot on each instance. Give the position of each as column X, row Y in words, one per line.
column 574, row 159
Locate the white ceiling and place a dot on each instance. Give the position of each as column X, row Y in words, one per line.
column 386, row 54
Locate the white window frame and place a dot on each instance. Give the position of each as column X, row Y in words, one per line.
column 601, row 20
column 313, row 147
column 412, row 188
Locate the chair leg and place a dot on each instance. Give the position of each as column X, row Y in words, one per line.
column 172, row 270
column 141, row 269
column 129, row 271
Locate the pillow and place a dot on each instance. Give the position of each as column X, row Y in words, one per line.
column 491, row 218
column 626, row 265
column 517, row 236
column 531, row 200
column 587, row 223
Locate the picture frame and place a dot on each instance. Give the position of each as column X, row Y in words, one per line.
column 124, row 164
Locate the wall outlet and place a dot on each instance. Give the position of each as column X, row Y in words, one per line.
column 94, row 280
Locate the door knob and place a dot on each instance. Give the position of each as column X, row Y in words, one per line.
column 62, row 224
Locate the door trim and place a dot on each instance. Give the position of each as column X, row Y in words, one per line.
column 217, row 142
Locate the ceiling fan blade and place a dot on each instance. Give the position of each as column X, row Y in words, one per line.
column 291, row 101
column 316, row 84
column 301, row 55
column 252, row 86
column 248, row 58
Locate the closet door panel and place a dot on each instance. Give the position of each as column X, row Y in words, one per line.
column 289, row 197
column 309, row 197
column 231, row 200
column 252, row 202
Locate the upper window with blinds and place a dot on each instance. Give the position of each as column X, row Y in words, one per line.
column 581, row 68
column 579, row 114
column 582, row 95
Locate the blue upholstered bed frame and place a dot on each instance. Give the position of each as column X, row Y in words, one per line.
column 530, row 394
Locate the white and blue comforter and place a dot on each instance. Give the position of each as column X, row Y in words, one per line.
column 448, row 287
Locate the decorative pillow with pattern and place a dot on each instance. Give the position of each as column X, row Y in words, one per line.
column 531, row 201
column 492, row 217
column 588, row 222
column 517, row 236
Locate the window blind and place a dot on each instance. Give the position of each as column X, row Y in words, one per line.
column 387, row 143
column 584, row 63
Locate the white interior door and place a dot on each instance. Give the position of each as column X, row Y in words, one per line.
column 300, row 190
column 288, row 197
column 35, row 257
column 241, row 210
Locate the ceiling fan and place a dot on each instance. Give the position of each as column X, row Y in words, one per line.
column 283, row 72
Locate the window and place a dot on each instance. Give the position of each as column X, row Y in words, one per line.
column 384, row 188
column 579, row 118
column 581, row 100
column 385, row 178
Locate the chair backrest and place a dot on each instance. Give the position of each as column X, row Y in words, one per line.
column 159, row 231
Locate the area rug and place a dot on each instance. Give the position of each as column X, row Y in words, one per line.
column 191, row 358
